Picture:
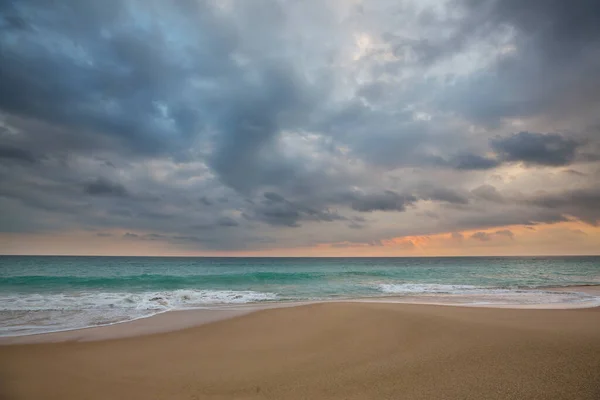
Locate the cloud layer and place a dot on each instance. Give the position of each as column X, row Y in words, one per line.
column 232, row 125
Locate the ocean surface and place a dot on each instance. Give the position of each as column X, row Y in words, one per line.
column 44, row 294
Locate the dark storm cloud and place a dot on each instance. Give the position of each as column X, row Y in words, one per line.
column 204, row 200
column 536, row 148
column 385, row 201
column 553, row 67
column 17, row 154
column 579, row 203
column 354, row 225
column 444, row 195
column 104, row 187
column 531, row 148
column 286, row 215
column 277, row 211
column 249, row 126
column 515, row 214
column 227, row 222
column 274, row 197
column 473, row 162
column 125, row 89
column 109, row 84
column 127, row 82
column 583, row 197
column 556, row 24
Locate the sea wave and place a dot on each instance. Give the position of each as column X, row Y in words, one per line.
column 161, row 300
column 165, row 281
column 23, row 314
column 420, row 288
column 484, row 295
column 154, row 280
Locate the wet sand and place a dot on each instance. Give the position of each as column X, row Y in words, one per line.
column 165, row 322
column 594, row 290
column 327, row 351
column 181, row 319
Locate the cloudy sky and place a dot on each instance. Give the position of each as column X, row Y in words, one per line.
column 288, row 127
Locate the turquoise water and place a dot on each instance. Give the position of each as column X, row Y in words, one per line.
column 39, row 294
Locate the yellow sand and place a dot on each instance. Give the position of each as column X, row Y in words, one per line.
column 328, row 351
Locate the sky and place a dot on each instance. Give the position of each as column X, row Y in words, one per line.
column 300, row 128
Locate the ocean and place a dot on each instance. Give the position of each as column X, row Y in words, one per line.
column 52, row 293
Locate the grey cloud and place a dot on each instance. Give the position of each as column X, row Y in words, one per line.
column 15, row 153
column 536, row 148
column 488, row 193
column 429, row 214
column 274, row 197
column 473, row 162
column 354, row 225
column 515, row 215
column 279, row 216
column 154, row 236
column 457, row 236
column 278, row 211
column 104, row 187
column 574, row 172
column 249, row 127
column 551, row 22
column 158, row 236
column 104, row 234
column 580, row 203
column 486, row 237
column 132, row 86
column 444, row 195
column 481, row 236
column 79, row 86
column 551, row 68
column 505, row 232
column 227, row 222
column 373, row 243
column 385, row 201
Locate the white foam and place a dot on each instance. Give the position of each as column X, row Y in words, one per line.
column 22, row 314
column 141, row 301
column 419, row 288
column 452, row 294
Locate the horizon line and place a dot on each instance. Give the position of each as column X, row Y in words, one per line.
column 266, row 256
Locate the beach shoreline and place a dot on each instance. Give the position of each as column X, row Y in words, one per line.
column 39, row 296
column 175, row 320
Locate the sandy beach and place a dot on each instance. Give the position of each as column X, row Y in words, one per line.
column 327, row 351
